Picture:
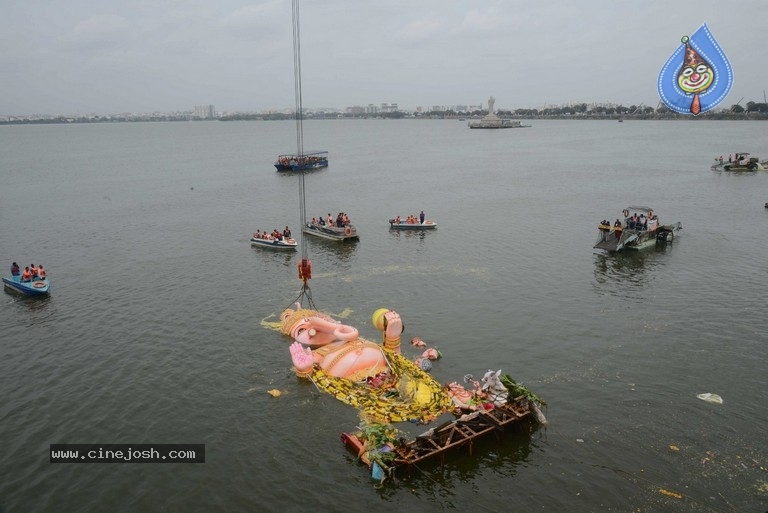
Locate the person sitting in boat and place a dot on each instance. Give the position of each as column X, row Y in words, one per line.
column 397, row 220
column 257, row 235
column 329, row 220
column 15, row 270
column 287, row 233
column 345, row 219
column 34, row 272
column 26, row 275
column 41, row 272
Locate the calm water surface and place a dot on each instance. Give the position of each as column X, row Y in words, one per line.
column 156, row 330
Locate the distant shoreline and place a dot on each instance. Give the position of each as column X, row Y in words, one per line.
column 668, row 116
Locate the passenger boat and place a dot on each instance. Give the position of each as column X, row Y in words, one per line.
column 305, row 161
column 496, row 122
column 29, row 288
column 402, row 224
column 330, row 232
column 284, row 243
column 639, row 228
column 744, row 162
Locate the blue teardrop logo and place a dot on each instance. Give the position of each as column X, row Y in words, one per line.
column 698, row 75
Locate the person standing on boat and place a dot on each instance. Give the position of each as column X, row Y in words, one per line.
column 33, row 270
column 421, row 217
column 41, row 272
column 287, row 233
column 15, row 270
column 617, row 229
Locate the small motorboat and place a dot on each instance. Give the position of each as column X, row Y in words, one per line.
column 403, row 224
column 283, row 244
column 745, row 162
column 331, row 232
column 29, row 288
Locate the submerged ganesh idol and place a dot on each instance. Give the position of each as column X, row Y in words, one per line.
column 374, row 378
column 337, row 348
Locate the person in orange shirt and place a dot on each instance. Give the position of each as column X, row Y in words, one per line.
column 33, row 270
column 26, row 275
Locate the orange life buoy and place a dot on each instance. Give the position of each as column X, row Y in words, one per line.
column 39, row 285
column 347, row 231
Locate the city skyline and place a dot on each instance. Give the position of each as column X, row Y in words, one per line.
column 115, row 57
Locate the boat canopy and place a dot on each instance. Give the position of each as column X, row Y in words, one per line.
column 316, row 153
column 639, row 209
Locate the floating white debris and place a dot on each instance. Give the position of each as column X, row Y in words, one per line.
column 711, row 398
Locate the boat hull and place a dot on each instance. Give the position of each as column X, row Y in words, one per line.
column 331, row 232
column 305, row 167
column 280, row 245
column 753, row 166
column 28, row 288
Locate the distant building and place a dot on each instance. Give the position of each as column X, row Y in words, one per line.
column 389, row 107
column 205, row 112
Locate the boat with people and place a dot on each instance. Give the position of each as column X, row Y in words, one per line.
column 412, row 222
column 30, row 282
column 274, row 243
column 304, row 161
column 742, row 162
column 331, row 232
column 339, row 229
column 496, row 122
column 638, row 229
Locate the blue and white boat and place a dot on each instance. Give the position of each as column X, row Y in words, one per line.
column 281, row 244
column 305, row 161
column 28, row 288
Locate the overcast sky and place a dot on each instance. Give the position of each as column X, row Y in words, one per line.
column 113, row 56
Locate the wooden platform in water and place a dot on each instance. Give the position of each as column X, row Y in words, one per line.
column 437, row 442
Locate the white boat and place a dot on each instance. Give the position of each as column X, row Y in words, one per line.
column 330, row 232
column 639, row 228
column 282, row 244
column 403, row 224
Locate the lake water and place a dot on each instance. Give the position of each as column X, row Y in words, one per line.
column 156, row 329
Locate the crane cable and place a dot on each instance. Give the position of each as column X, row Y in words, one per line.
column 305, row 265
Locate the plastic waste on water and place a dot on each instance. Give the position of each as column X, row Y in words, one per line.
column 711, row 398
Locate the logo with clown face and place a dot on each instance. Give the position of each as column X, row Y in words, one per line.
column 697, row 76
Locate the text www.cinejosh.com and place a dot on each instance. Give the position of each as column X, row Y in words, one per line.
column 127, row 453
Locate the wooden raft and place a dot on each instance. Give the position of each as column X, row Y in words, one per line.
column 450, row 435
